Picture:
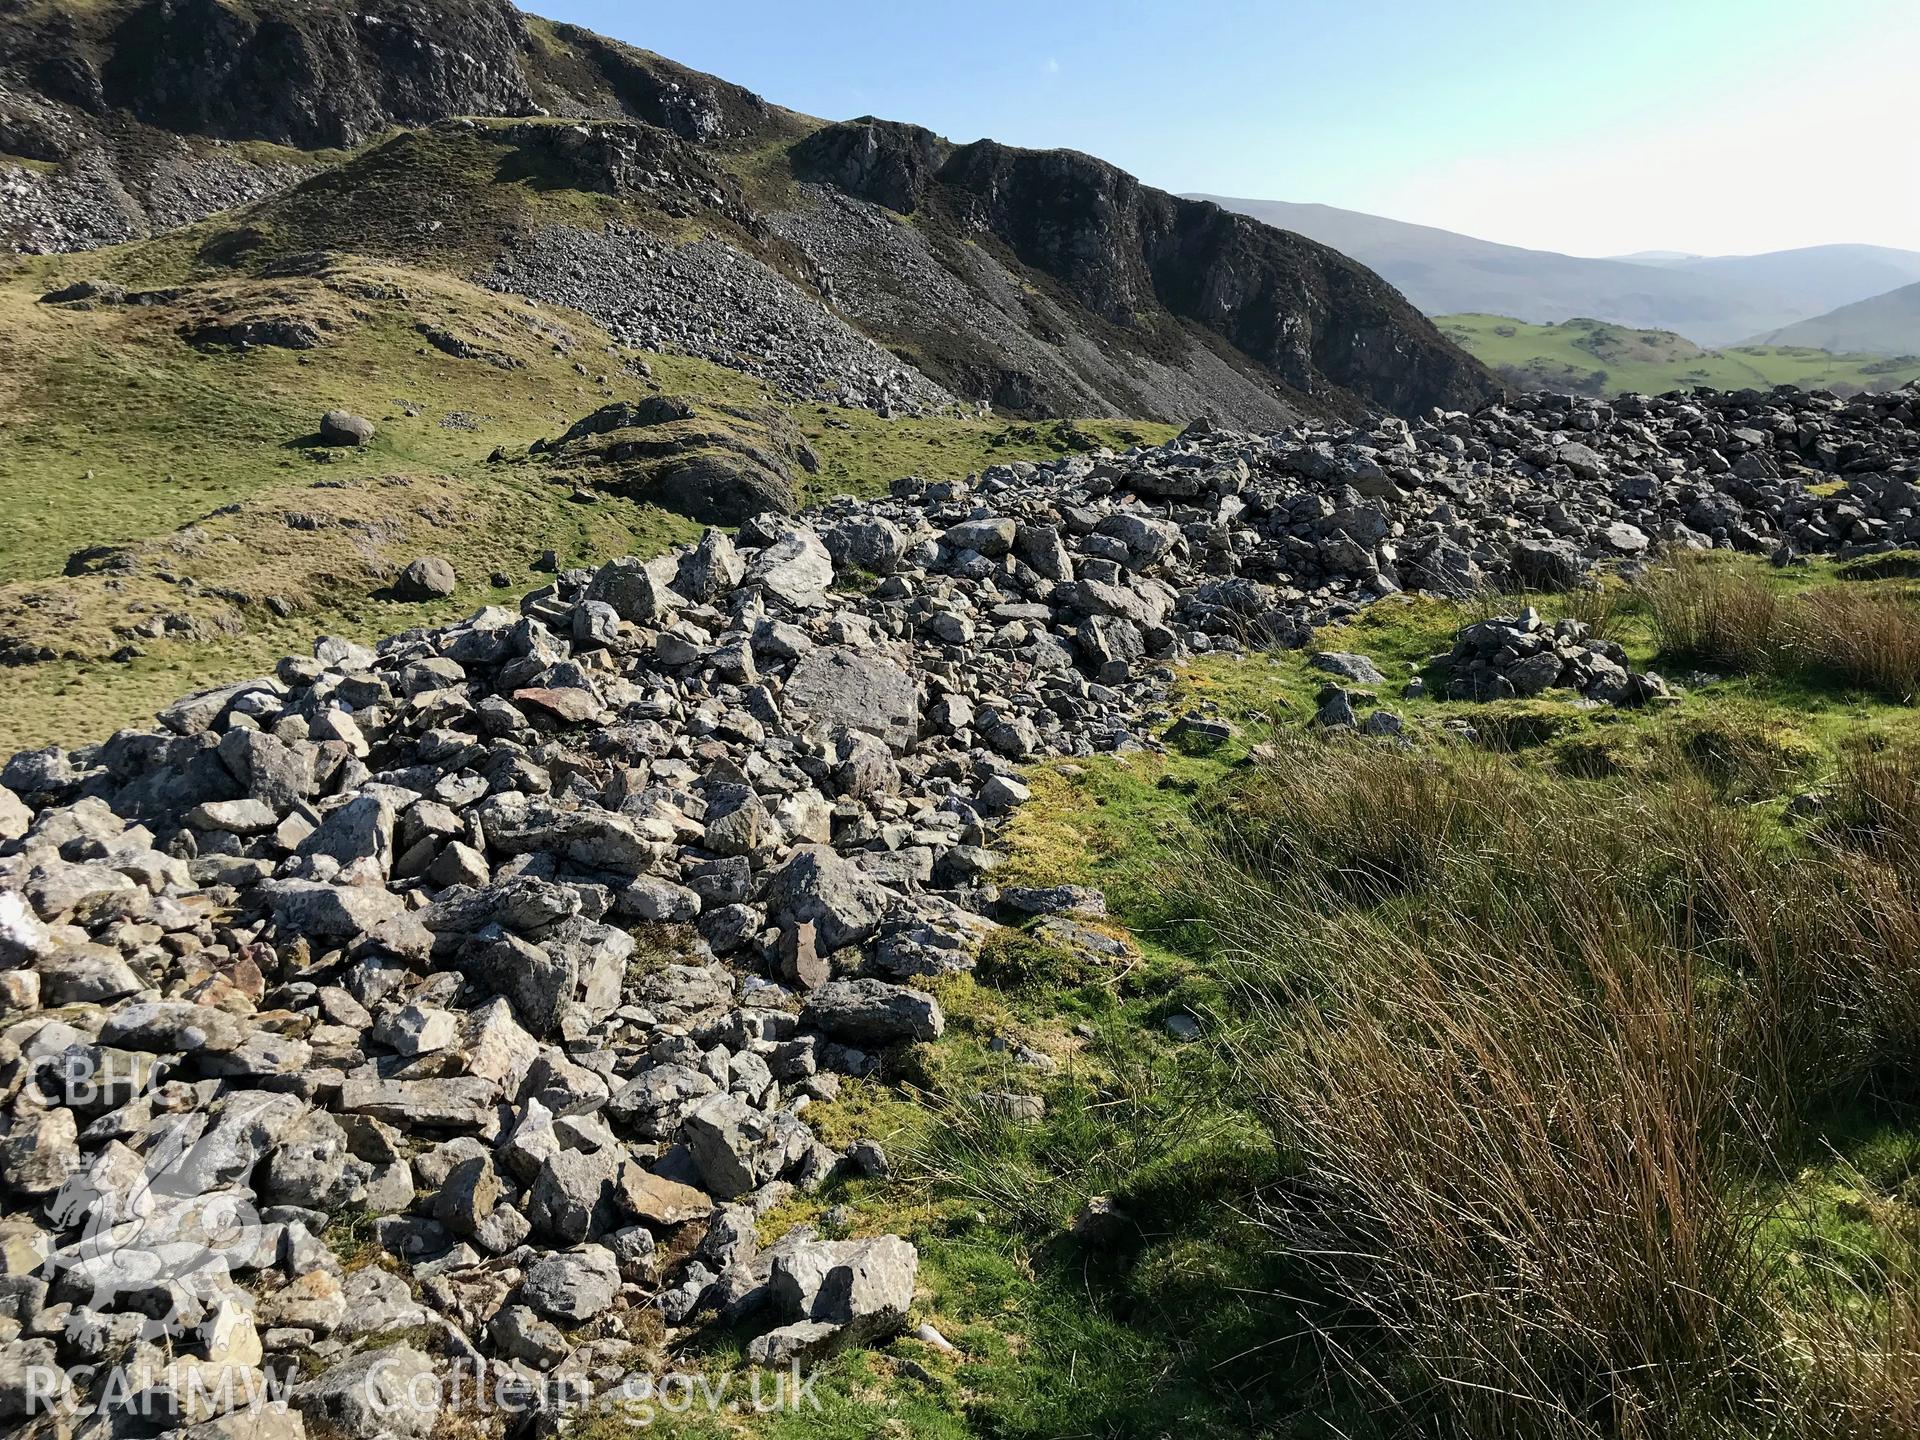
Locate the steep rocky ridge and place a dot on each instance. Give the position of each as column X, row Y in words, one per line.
column 1078, row 289
column 122, row 96
column 1125, row 251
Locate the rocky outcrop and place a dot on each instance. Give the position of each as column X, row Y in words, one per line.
column 1320, row 322
column 318, row 76
column 716, row 465
column 313, row 76
column 883, row 161
column 1095, row 294
column 136, row 101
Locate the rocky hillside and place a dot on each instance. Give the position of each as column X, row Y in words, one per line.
column 1037, row 283
column 514, row 955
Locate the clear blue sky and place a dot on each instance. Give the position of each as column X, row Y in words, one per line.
column 1593, row 126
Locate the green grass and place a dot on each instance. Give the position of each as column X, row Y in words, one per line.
column 1591, row 357
column 115, row 431
column 1055, row 1337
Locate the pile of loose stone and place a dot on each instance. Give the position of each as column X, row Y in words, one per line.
column 85, row 204
column 709, row 300
column 1520, row 655
column 516, row 951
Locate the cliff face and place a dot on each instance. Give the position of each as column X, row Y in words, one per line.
column 136, row 101
column 315, row 76
column 1038, row 281
column 320, row 74
column 1125, row 250
column 312, row 76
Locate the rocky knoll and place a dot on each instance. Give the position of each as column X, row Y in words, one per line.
column 719, row 465
column 137, row 101
column 518, row 949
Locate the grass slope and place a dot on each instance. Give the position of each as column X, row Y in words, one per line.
column 236, row 546
column 1592, row 357
column 1888, row 323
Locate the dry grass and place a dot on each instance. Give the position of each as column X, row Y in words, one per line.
column 1875, row 805
column 1867, row 637
column 1859, row 635
column 1862, row 1347
column 1713, row 616
column 1536, row 1048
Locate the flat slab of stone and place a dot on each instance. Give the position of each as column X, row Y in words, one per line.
column 840, row 688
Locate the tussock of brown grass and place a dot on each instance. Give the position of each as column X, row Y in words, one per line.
column 1862, row 1344
column 1712, row 616
column 1535, row 1046
column 1867, row 637
column 1875, row 805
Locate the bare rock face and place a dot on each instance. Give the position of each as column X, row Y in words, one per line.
column 128, row 100
column 883, row 161
column 315, row 78
column 841, row 688
column 101, row 91
column 1314, row 318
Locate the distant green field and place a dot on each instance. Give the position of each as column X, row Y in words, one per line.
column 1592, row 357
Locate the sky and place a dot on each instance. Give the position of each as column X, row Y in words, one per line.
column 1594, row 127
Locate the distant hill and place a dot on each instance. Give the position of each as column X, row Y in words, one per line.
column 1826, row 276
column 1888, row 323
column 1714, row 300
column 1593, row 357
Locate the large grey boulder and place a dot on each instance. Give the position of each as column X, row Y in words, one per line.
column 329, row 912
column 795, row 568
column 1545, row 564
column 991, row 537
column 378, row 1393
column 343, row 427
column 1348, row 666
column 835, row 1293
column 430, row 577
column 573, row 1197
column 634, row 592
column 710, row 569
column 870, row 543
column 737, row 1148
column 866, row 1283
column 15, row 817
column 246, row 1127
column 361, row 829
column 844, row 904
column 573, row 1286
